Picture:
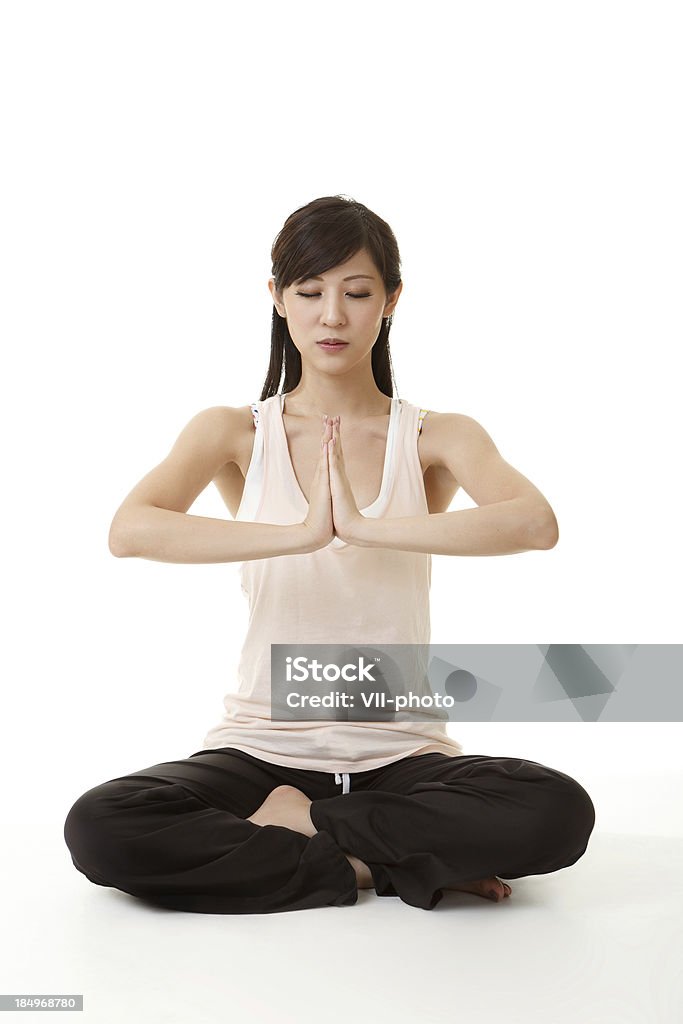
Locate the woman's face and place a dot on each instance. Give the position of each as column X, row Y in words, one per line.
column 348, row 302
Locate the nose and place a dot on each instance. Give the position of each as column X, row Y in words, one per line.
column 332, row 313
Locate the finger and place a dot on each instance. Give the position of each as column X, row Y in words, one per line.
column 332, row 463
column 324, row 445
column 325, row 467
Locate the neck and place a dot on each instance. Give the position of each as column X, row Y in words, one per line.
column 317, row 396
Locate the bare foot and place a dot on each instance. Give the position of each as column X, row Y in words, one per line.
column 288, row 806
column 490, row 888
column 364, row 879
column 285, row 806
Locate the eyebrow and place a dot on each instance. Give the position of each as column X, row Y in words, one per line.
column 351, row 278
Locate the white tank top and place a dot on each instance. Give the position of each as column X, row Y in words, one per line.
column 339, row 594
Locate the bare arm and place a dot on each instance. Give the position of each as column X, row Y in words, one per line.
column 512, row 516
column 152, row 522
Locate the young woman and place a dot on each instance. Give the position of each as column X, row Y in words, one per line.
column 339, row 492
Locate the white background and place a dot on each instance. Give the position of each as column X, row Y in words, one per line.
column 528, row 159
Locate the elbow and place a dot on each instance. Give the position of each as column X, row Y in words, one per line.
column 538, row 530
column 119, row 540
column 546, row 532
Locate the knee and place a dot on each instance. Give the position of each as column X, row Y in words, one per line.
column 85, row 829
column 80, row 824
column 569, row 819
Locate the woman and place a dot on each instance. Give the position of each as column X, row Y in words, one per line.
column 339, row 500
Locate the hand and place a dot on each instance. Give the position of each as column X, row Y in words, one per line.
column 319, row 517
column 345, row 514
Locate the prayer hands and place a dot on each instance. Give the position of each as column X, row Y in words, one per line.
column 332, row 508
column 345, row 513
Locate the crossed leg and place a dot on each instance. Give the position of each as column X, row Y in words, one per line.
column 426, row 824
column 289, row 807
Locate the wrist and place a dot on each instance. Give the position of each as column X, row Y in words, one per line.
column 359, row 531
column 306, row 541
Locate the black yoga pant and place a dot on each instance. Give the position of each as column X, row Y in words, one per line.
column 175, row 834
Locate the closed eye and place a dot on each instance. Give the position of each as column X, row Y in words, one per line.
column 353, row 295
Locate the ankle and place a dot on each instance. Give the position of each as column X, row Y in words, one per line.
column 364, row 879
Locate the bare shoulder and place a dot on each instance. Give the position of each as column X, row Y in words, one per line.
column 458, row 444
column 444, row 432
column 242, row 426
column 205, row 447
column 222, row 428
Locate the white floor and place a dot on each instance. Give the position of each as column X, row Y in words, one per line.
column 600, row 942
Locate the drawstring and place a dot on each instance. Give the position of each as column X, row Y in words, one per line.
column 343, row 778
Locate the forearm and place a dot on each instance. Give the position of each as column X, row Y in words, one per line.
column 163, row 535
column 502, row 528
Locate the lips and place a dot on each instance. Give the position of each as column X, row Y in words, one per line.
column 333, row 343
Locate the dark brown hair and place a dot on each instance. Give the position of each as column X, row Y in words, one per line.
column 314, row 239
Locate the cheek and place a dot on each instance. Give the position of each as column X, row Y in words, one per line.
column 368, row 315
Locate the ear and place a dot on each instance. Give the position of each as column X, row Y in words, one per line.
column 277, row 298
column 392, row 300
